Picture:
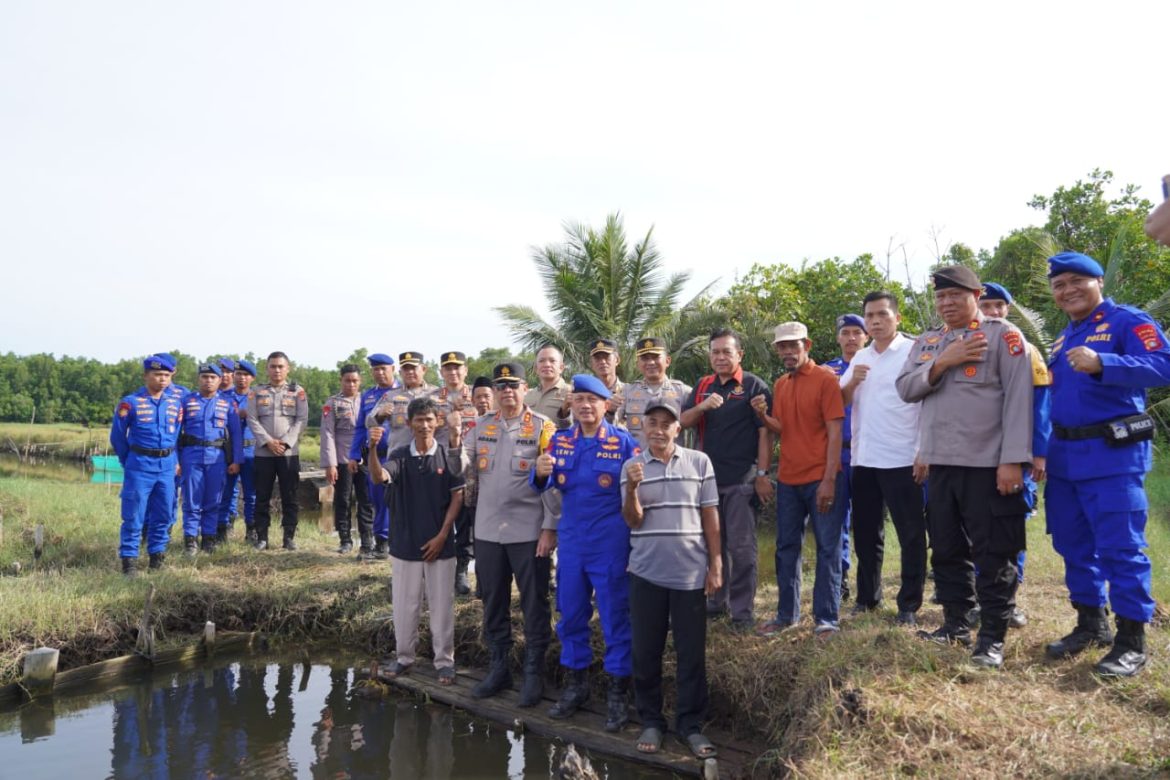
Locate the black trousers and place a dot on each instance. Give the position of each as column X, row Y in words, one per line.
column 974, row 529
column 349, row 486
column 465, row 535
column 895, row 488
column 268, row 470
column 495, row 566
column 654, row 610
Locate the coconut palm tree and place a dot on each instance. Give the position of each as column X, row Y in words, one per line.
column 597, row 286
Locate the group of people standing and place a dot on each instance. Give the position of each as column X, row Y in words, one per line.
column 950, row 432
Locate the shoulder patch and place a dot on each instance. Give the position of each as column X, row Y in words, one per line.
column 1015, row 342
column 1148, row 335
column 123, row 409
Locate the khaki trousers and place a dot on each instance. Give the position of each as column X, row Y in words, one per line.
column 409, row 581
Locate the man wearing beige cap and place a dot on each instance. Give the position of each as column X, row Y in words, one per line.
column 806, row 414
column 604, row 359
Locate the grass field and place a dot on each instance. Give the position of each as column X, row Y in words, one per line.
column 873, row 701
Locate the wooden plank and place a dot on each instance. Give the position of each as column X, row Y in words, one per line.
column 585, row 729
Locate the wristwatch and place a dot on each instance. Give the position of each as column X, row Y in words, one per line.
column 761, row 473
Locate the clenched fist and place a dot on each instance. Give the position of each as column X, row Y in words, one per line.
column 544, row 465
column 634, row 474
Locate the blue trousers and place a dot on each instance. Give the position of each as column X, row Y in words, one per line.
column 148, row 501
column 1099, row 527
column 847, row 521
column 231, row 491
column 579, row 579
column 202, row 497
column 793, row 504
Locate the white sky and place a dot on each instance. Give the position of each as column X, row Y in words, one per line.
column 314, row 177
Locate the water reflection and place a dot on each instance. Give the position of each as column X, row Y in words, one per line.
column 269, row 720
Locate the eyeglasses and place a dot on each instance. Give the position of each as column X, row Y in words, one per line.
column 504, row 385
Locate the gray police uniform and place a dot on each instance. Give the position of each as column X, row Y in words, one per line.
column 277, row 414
column 498, row 456
column 339, row 423
column 393, row 407
column 977, row 417
column 638, row 395
column 549, row 402
column 446, row 400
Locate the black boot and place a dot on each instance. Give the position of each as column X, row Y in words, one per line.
column 575, row 694
column 208, row 544
column 1092, row 629
column 988, row 652
column 462, row 584
column 346, row 546
column 617, row 703
column 190, row 546
column 533, row 688
column 955, row 628
column 157, row 560
column 221, row 535
column 130, row 567
column 382, row 549
column 1128, row 655
column 289, row 543
column 499, row 675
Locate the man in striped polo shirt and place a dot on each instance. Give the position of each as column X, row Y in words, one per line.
column 671, row 503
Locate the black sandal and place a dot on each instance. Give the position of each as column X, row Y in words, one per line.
column 699, row 745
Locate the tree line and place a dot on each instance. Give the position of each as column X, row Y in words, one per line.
column 598, row 284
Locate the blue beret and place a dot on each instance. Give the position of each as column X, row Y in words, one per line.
column 587, row 383
column 1074, row 262
column 247, row 365
column 159, row 362
column 227, row 364
column 996, row 292
column 850, row 320
column 379, row 359
column 210, row 368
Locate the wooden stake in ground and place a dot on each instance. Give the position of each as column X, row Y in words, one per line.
column 39, row 542
column 40, row 668
column 209, row 638
column 145, row 644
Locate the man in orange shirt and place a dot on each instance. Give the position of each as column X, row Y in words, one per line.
column 807, row 411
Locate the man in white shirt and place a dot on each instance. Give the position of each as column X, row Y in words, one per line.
column 885, row 472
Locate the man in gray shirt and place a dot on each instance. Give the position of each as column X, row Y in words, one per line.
column 515, row 531
column 671, row 504
column 339, row 422
column 974, row 380
column 277, row 414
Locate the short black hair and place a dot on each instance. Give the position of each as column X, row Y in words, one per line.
column 275, row 355
column 720, row 333
column 422, row 405
column 880, row 295
column 350, row 368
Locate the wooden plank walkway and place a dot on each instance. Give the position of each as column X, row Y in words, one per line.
column 586, row 729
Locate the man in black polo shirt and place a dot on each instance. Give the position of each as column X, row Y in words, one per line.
column 740, row 448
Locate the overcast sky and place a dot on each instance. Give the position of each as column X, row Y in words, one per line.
column 315, row 177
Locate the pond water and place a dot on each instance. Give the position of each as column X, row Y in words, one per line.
column 267, row 719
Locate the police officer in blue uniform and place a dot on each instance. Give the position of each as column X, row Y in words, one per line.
column 995, row 302
column 245, row 479
column 1098, row 457
column 144, row 435
column 585, row 462
column 373, row 513
column 210, row 447
column 851, row 337
column 179, row 392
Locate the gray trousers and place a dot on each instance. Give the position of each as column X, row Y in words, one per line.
column 737, row 529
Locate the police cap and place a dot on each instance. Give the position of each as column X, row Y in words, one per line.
column 379, row 359
column 210, row 368
column 410, row 359
column 160, row 362
column 508, row 372
column 587, row 383
column 649, row 345
column 851, row 321
column 1074, row 263
column 996, row 292
column 602, row 345
column 957, row 276
column 454, row 359
column 246, row 365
